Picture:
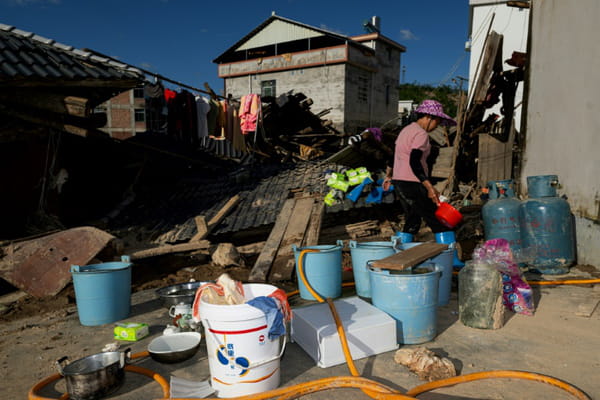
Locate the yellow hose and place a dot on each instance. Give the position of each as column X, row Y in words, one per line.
column 370, row 387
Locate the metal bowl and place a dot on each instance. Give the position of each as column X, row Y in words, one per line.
column 179, row 293
column 174, row 348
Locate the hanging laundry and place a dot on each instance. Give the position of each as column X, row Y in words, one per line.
column 202, row 109
column 249, row 111
column 170, row 95
column 221, row 120
column 156, row 108
column 239, row 143
column 212, row 117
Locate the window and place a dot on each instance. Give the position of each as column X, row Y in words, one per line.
column 140, row 115
column 267, row 88
column 363, row 88
column 138, row 93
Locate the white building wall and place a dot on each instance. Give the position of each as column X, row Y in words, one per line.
column 324, row 85
column 563, row 111
column 510, row 22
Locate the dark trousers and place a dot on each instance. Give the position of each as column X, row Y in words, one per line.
column 417, row 206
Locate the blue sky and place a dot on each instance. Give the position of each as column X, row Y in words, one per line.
column 180, row 38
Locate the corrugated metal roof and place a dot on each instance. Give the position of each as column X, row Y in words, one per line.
column 25, row 55
column 279, row 31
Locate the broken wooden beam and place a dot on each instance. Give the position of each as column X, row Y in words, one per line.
column 283, row 264
column 170, row 249
column 311, row 238
column 262, row 266
column 204, row 229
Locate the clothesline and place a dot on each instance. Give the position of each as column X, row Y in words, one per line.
column 159, row 76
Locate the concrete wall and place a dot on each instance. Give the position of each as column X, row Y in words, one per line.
column 333, row 78
column 510, row 22
column 563, row 110
column 324, row 85
column 381, row 73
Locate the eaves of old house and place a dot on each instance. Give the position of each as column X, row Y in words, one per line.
column 53, row 85
column 280, row 44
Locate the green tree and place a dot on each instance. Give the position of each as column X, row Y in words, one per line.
column 445, row 94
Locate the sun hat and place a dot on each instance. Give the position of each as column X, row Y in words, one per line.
column 435, row 108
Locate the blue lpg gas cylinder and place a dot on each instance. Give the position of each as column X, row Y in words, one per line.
column 501, row 213
column 547, row 226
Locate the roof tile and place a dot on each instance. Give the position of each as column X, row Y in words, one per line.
column 25, row 54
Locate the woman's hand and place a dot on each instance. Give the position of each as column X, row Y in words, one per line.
column 432, row 192
column 387, row 182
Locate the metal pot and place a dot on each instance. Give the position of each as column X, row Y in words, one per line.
column 175, row 347
column 94, row 376
column 179, row 293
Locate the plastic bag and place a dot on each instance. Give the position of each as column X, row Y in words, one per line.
column 517, row 295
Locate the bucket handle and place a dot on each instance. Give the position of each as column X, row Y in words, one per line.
column 339, row 243
column 77, row 268
column 253, row 365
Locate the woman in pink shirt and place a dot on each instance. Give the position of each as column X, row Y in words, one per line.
column 410, row 174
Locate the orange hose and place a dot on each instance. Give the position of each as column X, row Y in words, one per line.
column 372, row 388
column 32, row 395
column 499, row 374
column 552, row 283
column 566, row 282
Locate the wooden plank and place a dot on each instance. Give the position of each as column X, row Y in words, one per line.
column 216, row 220
column 410, row 257
column 251, row 249
column 314, row 225
column 494, row 160
column 170, row 249
column 283, row 264
column 261, row 268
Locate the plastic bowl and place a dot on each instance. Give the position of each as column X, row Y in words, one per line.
column 174, row 348
column 448, row 215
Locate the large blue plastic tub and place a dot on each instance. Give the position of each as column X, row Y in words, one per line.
column 102, row 291
column 410, row 298
column 361, row 253
column 323, row 270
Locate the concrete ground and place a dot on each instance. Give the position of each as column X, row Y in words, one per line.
column 555, row 342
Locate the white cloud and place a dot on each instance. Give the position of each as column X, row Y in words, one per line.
column 406, row 34
column 24, row 3
column 147, row 65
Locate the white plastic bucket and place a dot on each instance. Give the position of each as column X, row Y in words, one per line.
column 241, row 357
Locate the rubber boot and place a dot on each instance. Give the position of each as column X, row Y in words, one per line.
column 449, row 238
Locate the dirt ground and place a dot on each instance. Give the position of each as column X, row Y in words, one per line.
column 35, row 333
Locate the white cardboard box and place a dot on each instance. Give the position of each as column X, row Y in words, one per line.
column 369, row 331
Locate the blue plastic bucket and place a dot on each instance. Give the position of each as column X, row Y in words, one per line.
column 445, row 261
column 449, row 238
column 361, row 253
column 410, row 298
column 102, row 291
column 322, row 269
column 403, row 237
